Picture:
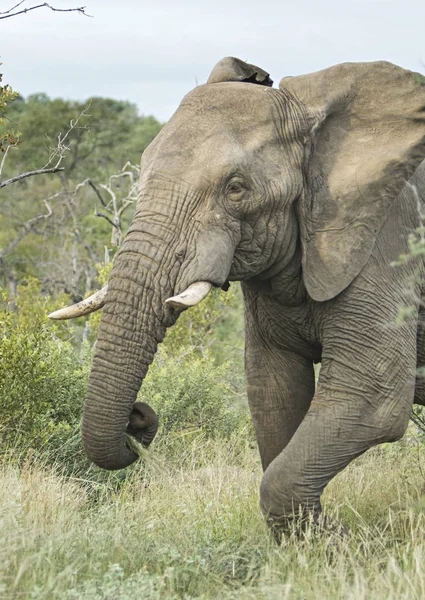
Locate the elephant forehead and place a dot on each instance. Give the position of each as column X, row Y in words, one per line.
column 209, row 156
column 240, row 100
column 215, row 129
column 204, row 158
column 240, row 109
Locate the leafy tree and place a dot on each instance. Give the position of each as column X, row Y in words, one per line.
column 108, row 134
column 8, row 137
column 42, row 377
column 49, row 227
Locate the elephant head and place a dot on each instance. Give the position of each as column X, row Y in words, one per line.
column 247, row 182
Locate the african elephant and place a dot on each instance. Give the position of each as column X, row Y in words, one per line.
column 306, row 194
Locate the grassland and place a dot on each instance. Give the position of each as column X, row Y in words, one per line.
column 190, row 527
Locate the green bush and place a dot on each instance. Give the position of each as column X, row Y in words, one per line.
column 42, row 377
column 200, row 326
column 191, row 393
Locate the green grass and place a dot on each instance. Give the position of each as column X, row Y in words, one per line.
column 190, row 527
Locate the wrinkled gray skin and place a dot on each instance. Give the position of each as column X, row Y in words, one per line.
column 300, row 193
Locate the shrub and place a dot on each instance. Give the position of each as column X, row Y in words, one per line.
column 42, row 377
column 191, row 393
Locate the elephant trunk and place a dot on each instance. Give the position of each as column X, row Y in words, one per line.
column 147, row 272
column 134, row 321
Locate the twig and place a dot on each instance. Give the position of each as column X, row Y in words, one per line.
column 418, row 420
column 28, row 227
column 99, row 214
column 8, row 13
column 98, row 194
column 30, row 174
column 60, row 149
column 56, row 154
column 4, row 157
column 112, row 206
column 13, row 8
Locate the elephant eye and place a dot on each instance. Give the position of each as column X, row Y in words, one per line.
column 235, row 190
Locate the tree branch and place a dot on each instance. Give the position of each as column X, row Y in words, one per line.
column 13, row 8
column 99, row 214
column 30, row 174
column 27, row 228
column 59, row 151
column 56, row 156
column 98, row 194
column 8, row 13
column 4, row 158
column 12, row 282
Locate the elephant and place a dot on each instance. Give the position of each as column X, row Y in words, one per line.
column 306, row 194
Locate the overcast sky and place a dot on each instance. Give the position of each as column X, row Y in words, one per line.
column 152, row 52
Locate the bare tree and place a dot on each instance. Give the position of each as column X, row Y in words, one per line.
column 115, row 205
column 76, row 261
column 34, row 225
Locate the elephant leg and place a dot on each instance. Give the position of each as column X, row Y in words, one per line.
column 280, row 386
column 364, row 397
column 420, row 378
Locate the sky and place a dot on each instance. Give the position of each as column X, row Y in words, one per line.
column 152, row 52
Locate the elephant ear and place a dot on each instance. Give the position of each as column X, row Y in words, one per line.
column 234, row 69
column 367, row 138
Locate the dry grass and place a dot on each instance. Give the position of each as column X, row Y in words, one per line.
column 191, row 528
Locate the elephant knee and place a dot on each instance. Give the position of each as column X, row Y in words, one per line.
column 392, row 422
column 397, row 430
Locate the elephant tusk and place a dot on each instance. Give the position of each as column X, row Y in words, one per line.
column 193, row 295
column 85, row 307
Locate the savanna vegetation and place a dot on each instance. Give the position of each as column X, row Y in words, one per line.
column 184, row 522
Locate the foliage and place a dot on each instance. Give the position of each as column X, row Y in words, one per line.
column 416, row 245
column 190, row 393
column 200, row 326
column 108, row 134
column 420, row 79
column 196, row 381
column 8, row 137
column 93, row 321
column 42, row 377
column 416, row 248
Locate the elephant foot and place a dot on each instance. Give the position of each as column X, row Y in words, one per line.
column 307, row 526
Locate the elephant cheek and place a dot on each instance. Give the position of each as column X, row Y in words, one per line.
column 215, row 248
